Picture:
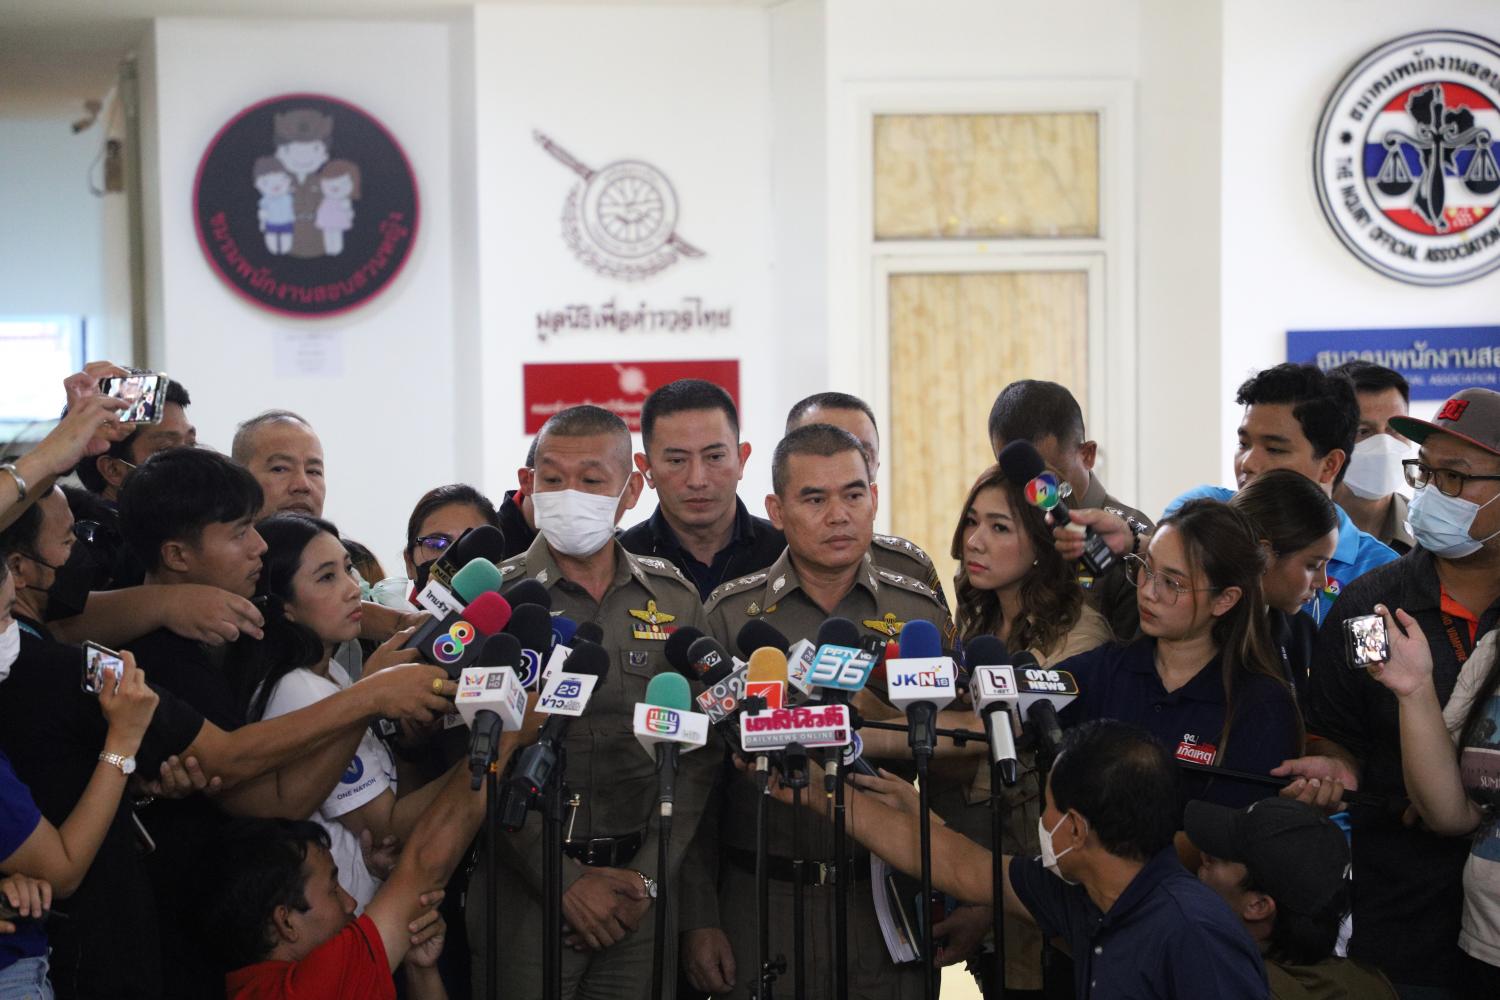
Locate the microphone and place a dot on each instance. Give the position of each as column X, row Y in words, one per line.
column 664, row 725
column 1043, row 692
column 723, row 691
column 765, row 680
column 528, row 592
column 920, row 683
column 453, row 641
column 563, row 699
column 563, row 630
column 992, row 685
column 758, row 634
column 841, row 667
column 1022, row 465
column 705, row 655
column 490, row 699
column 482, row 543
column 531, row 624
column 590, row 632
column 676, row 648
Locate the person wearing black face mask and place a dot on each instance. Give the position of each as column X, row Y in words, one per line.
column 56, row 567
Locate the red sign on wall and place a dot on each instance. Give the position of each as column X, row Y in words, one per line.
column 620, row 387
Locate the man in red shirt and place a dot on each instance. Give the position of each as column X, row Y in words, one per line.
column 283, row 924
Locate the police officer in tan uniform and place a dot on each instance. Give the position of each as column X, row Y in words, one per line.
column 825, row 504
column 854, row 415
column 583, row 485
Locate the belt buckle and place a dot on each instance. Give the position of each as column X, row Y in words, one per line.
column 594, row 850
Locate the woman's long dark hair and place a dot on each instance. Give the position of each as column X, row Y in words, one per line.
column 1051, row 600
column 257, row 665
column 1225, row 544
column 1290, row 510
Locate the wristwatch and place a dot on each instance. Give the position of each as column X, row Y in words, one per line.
column 16, row 475
column 648, row 882
column 125, row 764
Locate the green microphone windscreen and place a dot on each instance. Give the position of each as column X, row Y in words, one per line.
column 669, row 691
column 476, row 578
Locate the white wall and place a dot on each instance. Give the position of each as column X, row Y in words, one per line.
column 387, row 424
column 52, row 246
column 683, row 88
column 1283, row 268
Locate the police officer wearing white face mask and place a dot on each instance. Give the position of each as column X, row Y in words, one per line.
column 1406, row 912
column 1374, row 492
column 583, row 483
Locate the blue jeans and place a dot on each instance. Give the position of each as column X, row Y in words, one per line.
column 25, row 980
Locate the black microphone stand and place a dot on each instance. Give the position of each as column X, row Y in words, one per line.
column 922, row 755
column 795, row 777
column 665, row 758
column 552, row 879
column 767, row 969
column 998, row 813
column 492, row 870
column 840, row 885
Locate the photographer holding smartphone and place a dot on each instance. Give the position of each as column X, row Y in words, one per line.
column 60, row 855
column 1406, row 913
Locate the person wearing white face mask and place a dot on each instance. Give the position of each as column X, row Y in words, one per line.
column 583, row 483
column 1108, row 882
column 1407, row 907
column 1373, row 491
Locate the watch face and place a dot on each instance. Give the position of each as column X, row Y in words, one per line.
column 128, row 765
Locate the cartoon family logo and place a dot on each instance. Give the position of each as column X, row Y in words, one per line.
column 275, row 205
column 1404, row 161
column 621, row 221
column 306, row 199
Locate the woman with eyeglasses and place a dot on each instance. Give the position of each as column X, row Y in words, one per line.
column 439, row 518
column 1204, row 676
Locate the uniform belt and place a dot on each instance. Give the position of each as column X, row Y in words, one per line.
column 605, row 852
column 814, row 873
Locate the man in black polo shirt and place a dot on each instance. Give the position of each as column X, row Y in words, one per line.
column 517, row 518
column 53, row 732
column 187, row 513
column 694, row 460
column 1109, row 881
column 1408, row 883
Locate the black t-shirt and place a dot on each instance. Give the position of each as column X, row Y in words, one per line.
column 1294, row 636
column 1408, row 883
column 186, row 829
column 53, row 731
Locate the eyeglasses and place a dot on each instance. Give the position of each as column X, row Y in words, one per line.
column 1167, row 588
column 86, row 531
column 1448, row 482
column 435, row 543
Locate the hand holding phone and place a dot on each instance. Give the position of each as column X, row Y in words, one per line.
column 145, row 394
column 101, row 665
column 1368, row 641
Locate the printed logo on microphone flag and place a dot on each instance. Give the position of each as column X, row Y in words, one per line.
column 663, row 721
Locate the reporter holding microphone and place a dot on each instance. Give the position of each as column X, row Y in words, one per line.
column 1012, row 584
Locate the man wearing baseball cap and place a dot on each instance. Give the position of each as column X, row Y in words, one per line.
column 1410, row 896
column 1280, row 866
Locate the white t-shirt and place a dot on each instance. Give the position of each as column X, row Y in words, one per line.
column 370, row 773
column 1480, row 764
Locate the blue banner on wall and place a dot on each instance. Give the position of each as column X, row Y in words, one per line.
column 1437, row 361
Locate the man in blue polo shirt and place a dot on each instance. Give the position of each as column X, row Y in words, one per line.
column 1299, row 418
column 1109, row 881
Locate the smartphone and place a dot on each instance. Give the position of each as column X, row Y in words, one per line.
column 99, row 665
column 1368, row 641
column 145, row 392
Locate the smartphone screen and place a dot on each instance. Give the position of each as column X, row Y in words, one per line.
column 99, row 664
column 1368, row 642
column 146, row 395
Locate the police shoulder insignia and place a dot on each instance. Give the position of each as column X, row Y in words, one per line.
column 752, row 609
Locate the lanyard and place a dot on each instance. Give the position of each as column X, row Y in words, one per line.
column 1459, row 650
column 31, row 631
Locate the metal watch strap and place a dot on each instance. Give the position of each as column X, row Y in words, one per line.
column 16, row 475
column 647, row 882
column 125, row 763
